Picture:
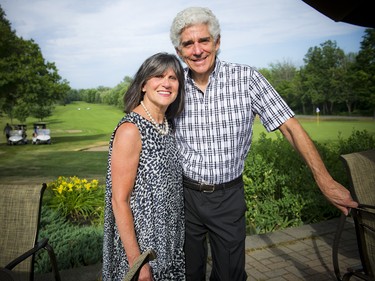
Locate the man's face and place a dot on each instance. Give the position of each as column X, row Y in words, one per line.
column 198, row 49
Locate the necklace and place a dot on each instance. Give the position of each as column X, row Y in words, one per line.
column 156, row 125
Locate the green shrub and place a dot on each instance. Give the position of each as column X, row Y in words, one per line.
column 270, row 202
column 357, row 141
column 74, row 245
column 280, row 190
column 270, row 205
column 72, row 219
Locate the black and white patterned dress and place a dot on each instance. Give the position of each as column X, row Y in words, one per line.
column 157, row 205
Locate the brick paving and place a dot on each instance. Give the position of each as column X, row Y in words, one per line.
column 300, row 253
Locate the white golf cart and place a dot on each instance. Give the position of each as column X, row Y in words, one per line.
column 18, row 135
column 41, row 134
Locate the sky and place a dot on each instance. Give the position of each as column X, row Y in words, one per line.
column 98, row 42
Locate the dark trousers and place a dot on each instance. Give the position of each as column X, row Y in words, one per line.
column 220, row 216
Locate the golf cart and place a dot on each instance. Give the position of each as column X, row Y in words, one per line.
column 18, row 135
column 41, row 134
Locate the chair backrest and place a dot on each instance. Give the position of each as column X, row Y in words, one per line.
column 20, row 207
column 361, row 170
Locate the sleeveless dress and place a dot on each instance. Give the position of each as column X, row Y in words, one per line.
column 157, row 204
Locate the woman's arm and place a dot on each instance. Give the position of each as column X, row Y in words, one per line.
column 127, row 146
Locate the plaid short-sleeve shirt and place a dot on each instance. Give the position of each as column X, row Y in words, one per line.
column 214, row 132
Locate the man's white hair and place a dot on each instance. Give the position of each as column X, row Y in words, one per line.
column 192, row 16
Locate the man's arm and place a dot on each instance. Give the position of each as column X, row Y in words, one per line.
column 337, row 194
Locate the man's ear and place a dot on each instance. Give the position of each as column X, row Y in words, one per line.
column 178, row 52
column 217, row 43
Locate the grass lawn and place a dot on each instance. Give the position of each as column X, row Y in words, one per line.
column 327, row 129
column 77, row 127
column 74, row 129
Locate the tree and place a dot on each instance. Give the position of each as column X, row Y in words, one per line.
column 8, row 64
column 322, row 74
column 72, row 95
column 300, row 98
column 365, row 68
column 21, row 111
column 26, row 79
column 345, row 83
column 43, row 85
column 283, row 75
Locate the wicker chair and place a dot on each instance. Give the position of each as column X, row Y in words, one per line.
column 20, row 207
column 361, row 170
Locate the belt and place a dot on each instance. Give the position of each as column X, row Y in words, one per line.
column 192, row 184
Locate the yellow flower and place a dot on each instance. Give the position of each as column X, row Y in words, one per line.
column 60, row 189
column 94, row 184
column 73, row 184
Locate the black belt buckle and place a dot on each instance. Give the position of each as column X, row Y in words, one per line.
column 207, row 188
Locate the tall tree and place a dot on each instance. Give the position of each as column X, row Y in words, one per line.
column 282, row 77
column 300, row 98
column 8, row 65
column 365, row 70
column 321, row 71
column 26, row 79
column 345, row 83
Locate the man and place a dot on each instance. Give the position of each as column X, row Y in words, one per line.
column 7, row 130
column 214, row 136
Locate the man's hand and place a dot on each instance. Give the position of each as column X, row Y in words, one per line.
column 338, row 195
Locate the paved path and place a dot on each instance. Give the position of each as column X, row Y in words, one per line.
column 303, row 253
column 300, row 253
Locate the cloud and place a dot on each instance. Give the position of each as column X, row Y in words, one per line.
column 98, row 42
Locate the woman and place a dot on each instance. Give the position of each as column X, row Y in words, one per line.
column 144, row 195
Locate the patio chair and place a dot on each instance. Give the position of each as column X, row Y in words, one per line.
column 144, row 258
column 360, row 167
column 20, row 208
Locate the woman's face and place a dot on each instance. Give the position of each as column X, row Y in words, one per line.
column 198, row 49
column 162, row 90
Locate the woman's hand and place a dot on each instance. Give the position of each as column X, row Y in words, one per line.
column 146, row 273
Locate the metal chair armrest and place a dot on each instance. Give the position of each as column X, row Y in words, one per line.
column 144, row 258
column 41, row 244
